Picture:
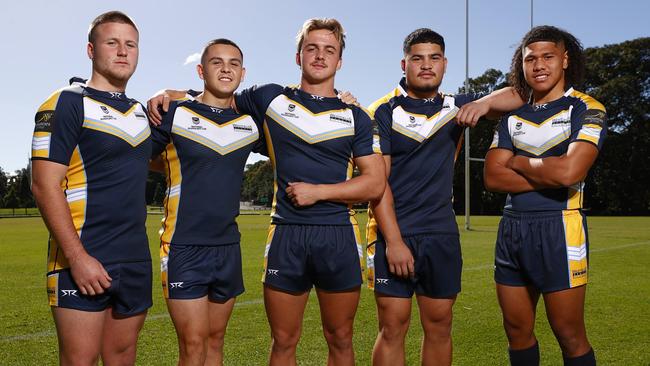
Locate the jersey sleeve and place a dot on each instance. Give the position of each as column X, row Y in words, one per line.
column 384, row 125
column 362, row 144
column 161, row 135
column 57, row 129
column 462, row 99
column 589, row 125
column 256, row 99
column 502, row 139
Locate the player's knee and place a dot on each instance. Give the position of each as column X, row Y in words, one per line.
column 437, row 327
column 193, row 344
column 285, row 341
column 393, row 332
column 79, row 359
column 216, row 339
column 339, row 338
column 518, row 331
column 572, row 340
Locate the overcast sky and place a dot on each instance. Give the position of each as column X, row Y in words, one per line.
column 45, row 43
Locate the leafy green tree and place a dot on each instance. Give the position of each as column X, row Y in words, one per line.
column 258, row 183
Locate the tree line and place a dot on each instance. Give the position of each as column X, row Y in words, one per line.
column 617, row 75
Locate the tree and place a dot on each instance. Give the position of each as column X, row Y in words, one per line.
column 619, row 77
column 481, row 201
column 258, row 183
column 3, row 186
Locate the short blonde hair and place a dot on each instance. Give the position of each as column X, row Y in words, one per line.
column 330, row 24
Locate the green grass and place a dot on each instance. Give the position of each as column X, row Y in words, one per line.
column 617, row 309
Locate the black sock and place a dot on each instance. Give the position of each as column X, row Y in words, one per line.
column 588, row 359
column 525, row 357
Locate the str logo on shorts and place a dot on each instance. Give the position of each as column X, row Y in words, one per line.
column 69, row 293
column 273, row 272
column 176, row 284
column 382, row 281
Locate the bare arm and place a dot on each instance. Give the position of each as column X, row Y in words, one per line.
column 499, row 177
column 89, row 275
column 558, row 171
column 491, row 106
column 366, row 187
column 160, row 103
column 399, row 256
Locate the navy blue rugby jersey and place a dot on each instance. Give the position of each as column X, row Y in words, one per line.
column 310, row 139
column 547, row 130
column 423, row 142
column 104, row 139
column 204, row 149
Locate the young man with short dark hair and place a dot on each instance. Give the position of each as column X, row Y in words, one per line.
column 413, row 239
column 90, row 153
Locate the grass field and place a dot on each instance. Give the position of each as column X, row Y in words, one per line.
column 618, row 302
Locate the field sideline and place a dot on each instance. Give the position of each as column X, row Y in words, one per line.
column 618, row 302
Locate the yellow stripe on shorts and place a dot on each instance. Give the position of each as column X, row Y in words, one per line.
column 576, row 247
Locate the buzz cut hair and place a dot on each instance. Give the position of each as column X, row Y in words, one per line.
column 329, row 24
column 113, row 16
column 423, row 35
column 219, row 41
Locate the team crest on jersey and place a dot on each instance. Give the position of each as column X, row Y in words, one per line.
column 222, row 138
column 537, row 138
column 291, row 108
column 128, row 126
column 420, row 127
column 311, row 127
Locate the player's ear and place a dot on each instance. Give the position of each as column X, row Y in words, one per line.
column 565, row 60
column 298, row 59
column 403, row 65
column 339, row 64
column 444, row 69
column 243, row 73
column 90, row 50
column 199, row 70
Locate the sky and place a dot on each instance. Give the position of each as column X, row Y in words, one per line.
column 44, row 43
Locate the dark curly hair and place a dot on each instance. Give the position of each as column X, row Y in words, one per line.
column 573, row 75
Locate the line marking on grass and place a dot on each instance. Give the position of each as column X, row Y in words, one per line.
column 150, row 317
column 630, row 245
column 153, row 317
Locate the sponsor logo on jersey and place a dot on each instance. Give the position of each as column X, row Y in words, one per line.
column 340, row 119
column 382, row 281
column 272, row 272
column 216, row 110
column 116, row 94
column 176, row 284
column 429, row 100
column 69, row 293
column 560, row 122
column 292, row 107
column 140, row 115
column 242, row 128
column 540, row 106
column 104, row 109
column 196, row 120
column 594, row 116
column 518, row 127
column 317, row 97
column 44, row 121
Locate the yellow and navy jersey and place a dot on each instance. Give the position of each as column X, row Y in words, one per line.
column 310, row 139
column 204, row 149
column 104, row 139
column 423, row 141
column 547, row 130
